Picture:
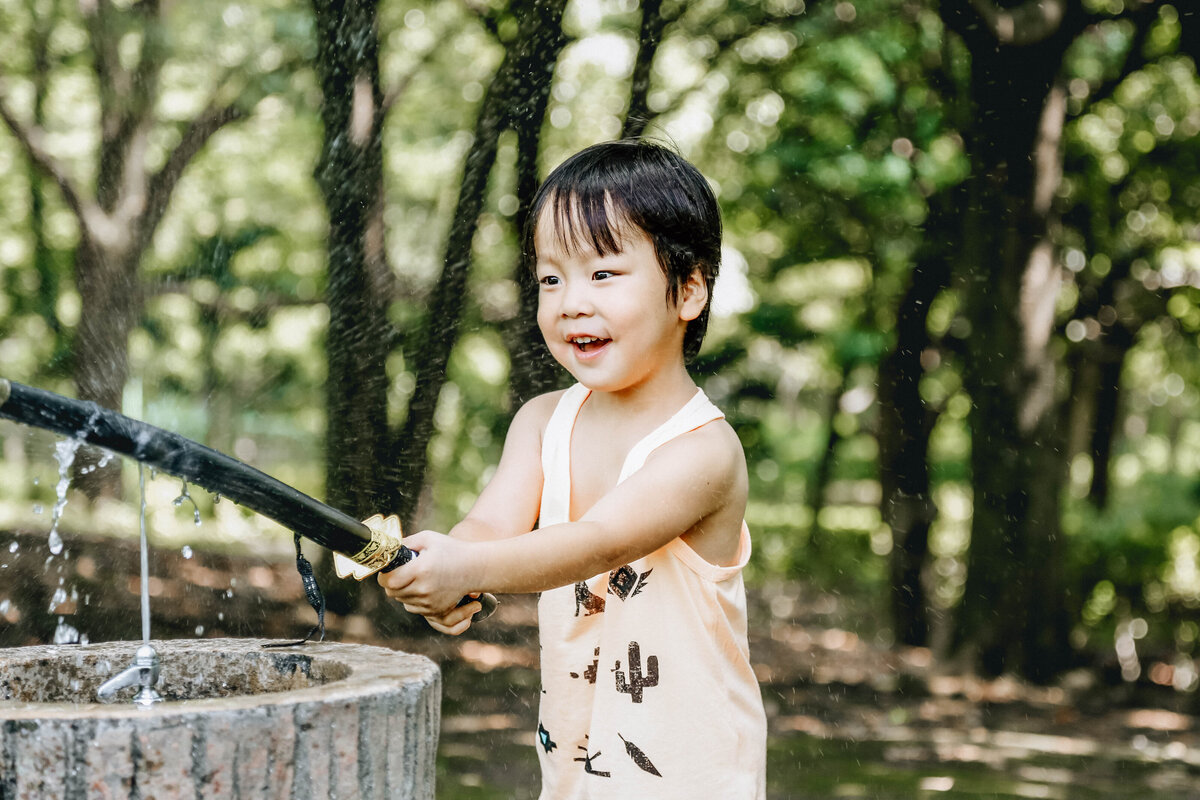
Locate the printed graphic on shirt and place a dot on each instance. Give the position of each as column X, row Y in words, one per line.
column 546, row 741
column 585, row 599
column 589, row 674
column 637, row 680
column 587, row 763
column 640, row 758
column 626, row 582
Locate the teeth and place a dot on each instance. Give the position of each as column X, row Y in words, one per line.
column 585, row 339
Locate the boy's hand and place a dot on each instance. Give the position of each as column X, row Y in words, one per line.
column 456, row 621
column 433, row 584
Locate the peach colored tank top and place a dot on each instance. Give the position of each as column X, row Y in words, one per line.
column 647, row 690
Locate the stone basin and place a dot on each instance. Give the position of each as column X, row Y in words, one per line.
column 238, row 721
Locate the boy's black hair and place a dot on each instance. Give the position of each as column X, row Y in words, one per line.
column 650, row 186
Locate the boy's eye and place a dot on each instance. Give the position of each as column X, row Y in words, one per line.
column 548, row 280
column 602, row 274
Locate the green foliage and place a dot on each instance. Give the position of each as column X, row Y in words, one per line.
column 1138, row 560
column 829, row 133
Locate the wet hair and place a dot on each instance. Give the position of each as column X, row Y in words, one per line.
column 599, row 190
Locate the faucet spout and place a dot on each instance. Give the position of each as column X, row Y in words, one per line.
column 142, row 673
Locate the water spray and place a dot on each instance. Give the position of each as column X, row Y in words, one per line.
column 360, row 550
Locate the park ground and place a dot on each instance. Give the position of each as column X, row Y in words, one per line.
column 849, row 716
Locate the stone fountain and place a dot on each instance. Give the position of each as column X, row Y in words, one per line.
column 237, row 721
column 216, row 718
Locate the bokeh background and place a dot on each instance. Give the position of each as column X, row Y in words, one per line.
column 956, row 325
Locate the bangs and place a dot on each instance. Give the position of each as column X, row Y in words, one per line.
column 588, row 220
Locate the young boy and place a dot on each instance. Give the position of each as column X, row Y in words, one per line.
column 637, row 486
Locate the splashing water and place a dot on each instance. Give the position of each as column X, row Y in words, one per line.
column 185, row 496
column 67, row 634
column 64, row 454
column 60, row 597
column 185, row 551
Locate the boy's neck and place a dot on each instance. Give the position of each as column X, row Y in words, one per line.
column 666, row 392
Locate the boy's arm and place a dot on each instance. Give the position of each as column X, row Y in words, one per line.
column 509, row 503
column 682, row 484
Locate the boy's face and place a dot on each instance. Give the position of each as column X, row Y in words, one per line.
column 607, row 319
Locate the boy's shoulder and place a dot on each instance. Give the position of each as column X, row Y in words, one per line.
column 536, row 412
column 714, row 443
column 543, row 404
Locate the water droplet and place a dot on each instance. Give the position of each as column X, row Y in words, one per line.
column 199, row 630
column 5, row 605
column 60, row 597
column 13, row 547
column 185, row 551
column 65, row 634
column 229, row 592
column 38, row 508
column 221, row 615
column 183, row 495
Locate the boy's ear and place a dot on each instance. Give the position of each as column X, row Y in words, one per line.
column 693, row 296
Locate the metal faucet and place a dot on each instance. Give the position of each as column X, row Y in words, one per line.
column 143, row 672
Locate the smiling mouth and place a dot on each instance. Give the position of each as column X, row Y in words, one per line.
column 588, row 344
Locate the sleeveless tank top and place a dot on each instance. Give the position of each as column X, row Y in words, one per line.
column 647, row 689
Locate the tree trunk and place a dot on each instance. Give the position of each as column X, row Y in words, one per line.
column 1013, row 613
column 1012, row 610
column 637, row 116
column 533, row 370
column 110, row 305
column 905, row 426
column 823, row 471
column 350, row 176
column 524, row 65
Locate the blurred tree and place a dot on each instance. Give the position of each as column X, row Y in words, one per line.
column 1017, row 607
column 360, row 285
column 906, row 422
column 44, row 257
column 117, row 217
column 638, row 113
column 515, row 98
column 213, row 265
column 531, row 369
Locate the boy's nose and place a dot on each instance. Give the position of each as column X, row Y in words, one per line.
column 576, row 301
